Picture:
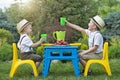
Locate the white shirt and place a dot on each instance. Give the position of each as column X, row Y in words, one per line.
column 95, row 38
column 24, row 43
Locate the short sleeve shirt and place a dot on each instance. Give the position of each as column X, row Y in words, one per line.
column 95, row 38
column 24, row 43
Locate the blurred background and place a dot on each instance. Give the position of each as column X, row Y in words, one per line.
column 45, row 15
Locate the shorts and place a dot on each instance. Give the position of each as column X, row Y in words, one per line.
column 91, row 56
column 31, row 56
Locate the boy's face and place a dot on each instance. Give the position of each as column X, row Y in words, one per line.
column 91, row 25
column 28, row 29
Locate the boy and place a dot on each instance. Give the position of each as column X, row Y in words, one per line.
column 26, row 45
column 95, row 40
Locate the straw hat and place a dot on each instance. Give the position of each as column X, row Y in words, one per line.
column 22, row 24
column 98, row 21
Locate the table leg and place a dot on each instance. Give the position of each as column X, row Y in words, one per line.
column 76, row 67
column 46, row 67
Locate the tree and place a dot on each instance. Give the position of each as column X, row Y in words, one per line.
column 76, row 11
column 6, row 36
column 45, row 14
column 30, row 11
column 7, row 24
column 112, row 25
column 108, row 6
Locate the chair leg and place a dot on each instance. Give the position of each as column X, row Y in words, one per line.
column 34, row 69
column 11, row 73
column 86, row 68
column 13, row 70
column 108, row 69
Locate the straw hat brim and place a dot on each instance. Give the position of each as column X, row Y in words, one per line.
column 25, row 25
column 98, row 21
column 95, row 22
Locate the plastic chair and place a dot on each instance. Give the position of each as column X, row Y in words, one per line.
column 16, row 63
column 104, row 61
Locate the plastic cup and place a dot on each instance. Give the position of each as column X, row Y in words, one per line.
column 62, row 21
column 43, row 35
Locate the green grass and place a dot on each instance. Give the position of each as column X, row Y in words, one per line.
column 60, row 71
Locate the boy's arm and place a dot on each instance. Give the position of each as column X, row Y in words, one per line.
column 94, row 48
column 38, row 43
column 75, row 26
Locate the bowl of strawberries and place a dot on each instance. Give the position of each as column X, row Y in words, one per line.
column 61, row 42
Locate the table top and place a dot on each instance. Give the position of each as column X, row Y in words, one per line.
column 61, row 46
column 71, row 44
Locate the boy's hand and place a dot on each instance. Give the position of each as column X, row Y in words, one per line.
column 42, row 39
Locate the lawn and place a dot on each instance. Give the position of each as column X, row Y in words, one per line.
column 61, row 71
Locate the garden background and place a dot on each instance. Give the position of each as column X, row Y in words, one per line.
column 45, row 16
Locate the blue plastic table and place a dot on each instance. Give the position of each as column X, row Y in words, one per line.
column 60, row 53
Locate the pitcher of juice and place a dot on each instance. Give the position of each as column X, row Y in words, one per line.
column 59, row 35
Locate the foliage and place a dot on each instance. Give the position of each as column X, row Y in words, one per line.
column 13, row 13
column 108, row 6
column 35, row 37
column 7, row 24
column 40, row 50
column 45, row 14
column 112, row 25
column 75, row 11
column 83, row 41
column 5, row 36
column 109, row 9
column 114, row 49
column 30, row 11
column 3, row 16
column 84, row 46
column 115, row 40
column 6, row 52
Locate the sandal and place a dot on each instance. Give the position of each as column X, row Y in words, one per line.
column 89, row 72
